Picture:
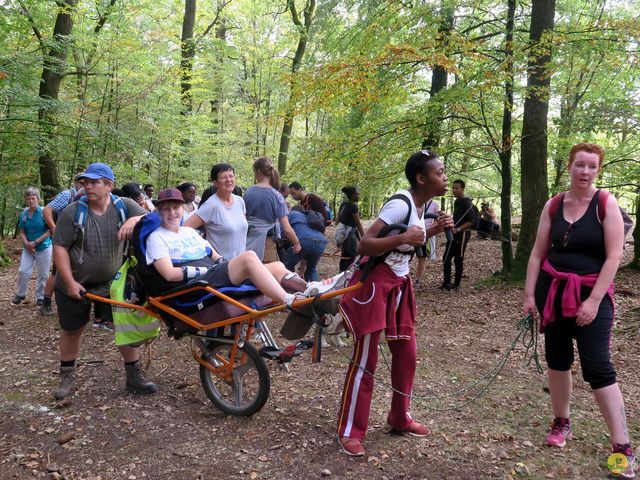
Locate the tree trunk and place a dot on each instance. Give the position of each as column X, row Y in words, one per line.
column 635, row 262
column 303, row 37
column 533, row 157
column 506, row 146
column 216, row 102
column 52, row 73
column 439, row 80
column 187, row 51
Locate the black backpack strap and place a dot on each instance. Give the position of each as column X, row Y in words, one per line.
column 399, row 196
column 405, row 199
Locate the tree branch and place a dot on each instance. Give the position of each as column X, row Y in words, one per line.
column 213, row 23
column 32, row 22
column 294, row 12
column 102, row 19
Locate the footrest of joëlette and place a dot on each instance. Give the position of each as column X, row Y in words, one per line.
column 286, row 354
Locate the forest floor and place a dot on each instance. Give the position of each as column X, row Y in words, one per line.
column 104, row 433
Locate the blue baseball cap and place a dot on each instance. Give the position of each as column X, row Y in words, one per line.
column 95, row 171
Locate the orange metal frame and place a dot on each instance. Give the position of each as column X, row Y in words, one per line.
column 155, row 305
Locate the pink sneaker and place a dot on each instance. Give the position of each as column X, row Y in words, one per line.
column 351, row 446
column 560, row 433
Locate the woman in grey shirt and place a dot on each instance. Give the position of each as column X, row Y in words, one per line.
column 266, row 206
column 223, row 214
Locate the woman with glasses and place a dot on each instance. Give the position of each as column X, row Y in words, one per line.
column 223, row 214
column 570, row 283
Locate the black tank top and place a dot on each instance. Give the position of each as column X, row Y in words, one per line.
column 578, row 247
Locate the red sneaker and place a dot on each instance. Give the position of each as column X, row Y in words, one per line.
column 351, row 446
column 414, row 429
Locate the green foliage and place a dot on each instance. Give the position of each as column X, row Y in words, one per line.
column 361, row 98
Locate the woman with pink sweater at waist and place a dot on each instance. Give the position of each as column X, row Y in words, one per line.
column 570, row 282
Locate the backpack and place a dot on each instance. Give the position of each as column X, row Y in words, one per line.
column 417, row 250
column 80, row 220
column 131, row 326
column 475, row 214
column 315, row 220
column 601, row 210
column 400, row 196
column 328, row 211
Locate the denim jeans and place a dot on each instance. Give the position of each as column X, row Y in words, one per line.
column 311, row 251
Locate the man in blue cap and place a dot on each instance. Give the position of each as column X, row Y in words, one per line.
column 88, row 252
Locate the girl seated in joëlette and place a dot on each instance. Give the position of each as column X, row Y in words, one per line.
column 172, row 244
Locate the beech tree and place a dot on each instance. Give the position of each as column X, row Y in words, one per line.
column 533, row 150
column 303, row 27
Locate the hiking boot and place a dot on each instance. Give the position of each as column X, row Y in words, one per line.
column 414, row 429
column 66, row 383
column 46, row 309
column 560, row 433
column 623, row 469
column 351, row 446
column 17, row 300
column 136, row 383
column 327, row 285
column 445, row 286
column 39, row 302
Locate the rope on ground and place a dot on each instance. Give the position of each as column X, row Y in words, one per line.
column 527, row 335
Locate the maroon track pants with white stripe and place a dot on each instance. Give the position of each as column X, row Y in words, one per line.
column 353, row 416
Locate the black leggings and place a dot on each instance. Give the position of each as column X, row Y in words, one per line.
column 593, row 340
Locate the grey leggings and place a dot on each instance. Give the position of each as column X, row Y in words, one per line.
column 42, row 261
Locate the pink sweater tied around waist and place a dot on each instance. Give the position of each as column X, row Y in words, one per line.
column 570, row 296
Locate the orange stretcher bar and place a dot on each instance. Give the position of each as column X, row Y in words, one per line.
column 251, row 314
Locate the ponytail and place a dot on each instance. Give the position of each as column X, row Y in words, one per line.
column 264, row 166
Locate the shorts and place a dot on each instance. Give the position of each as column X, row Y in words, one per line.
column 74, row 314
column 217, row 276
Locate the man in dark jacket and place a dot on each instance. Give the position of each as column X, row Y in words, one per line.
column 309, row 201
column 463, row 218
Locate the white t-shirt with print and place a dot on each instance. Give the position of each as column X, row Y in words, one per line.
column 185, row 245
column 395, row 211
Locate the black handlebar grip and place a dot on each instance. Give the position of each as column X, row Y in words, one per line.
column 447, row 232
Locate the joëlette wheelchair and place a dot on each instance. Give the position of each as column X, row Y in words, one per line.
column 221, row 324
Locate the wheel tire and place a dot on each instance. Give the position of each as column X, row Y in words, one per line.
column 224, row 395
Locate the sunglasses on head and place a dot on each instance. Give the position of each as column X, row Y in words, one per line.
column 429, row 154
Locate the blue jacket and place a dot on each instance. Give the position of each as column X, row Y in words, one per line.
column 298, row 221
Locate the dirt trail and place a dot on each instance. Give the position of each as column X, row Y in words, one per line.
column 177, row 433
